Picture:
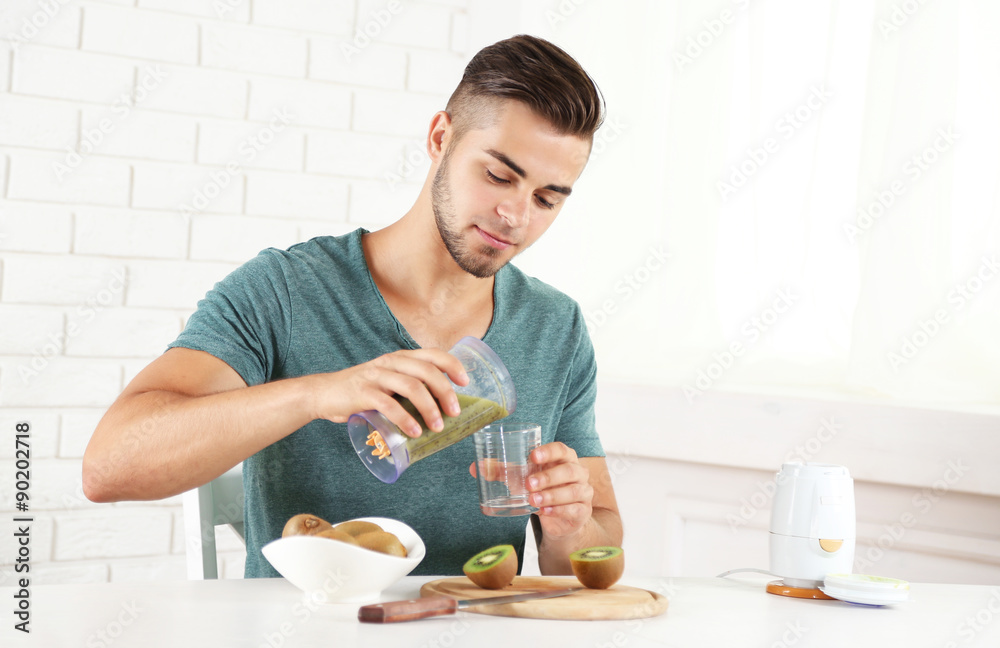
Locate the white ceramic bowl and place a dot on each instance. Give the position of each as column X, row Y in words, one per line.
column 336, row 572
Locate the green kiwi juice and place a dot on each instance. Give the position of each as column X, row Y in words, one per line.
column 476, row 413
column 386, row 451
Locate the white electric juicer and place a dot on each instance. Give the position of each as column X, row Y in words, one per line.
column 812, row 527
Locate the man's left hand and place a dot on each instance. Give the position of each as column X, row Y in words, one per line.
column 560, row 489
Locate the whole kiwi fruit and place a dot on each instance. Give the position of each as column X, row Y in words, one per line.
column 334, row 534
column 381, row 541
column 305, row 524
column 357, row 527
column 492, row 568
column 598, row 567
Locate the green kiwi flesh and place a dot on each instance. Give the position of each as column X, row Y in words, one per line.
column 598, row 567
column 493, row 568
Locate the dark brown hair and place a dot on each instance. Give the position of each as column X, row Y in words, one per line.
column 535, row 72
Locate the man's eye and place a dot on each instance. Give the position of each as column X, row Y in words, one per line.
column 495, row 179
column 544, row 203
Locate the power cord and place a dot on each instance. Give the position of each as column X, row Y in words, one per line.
column 745, row 569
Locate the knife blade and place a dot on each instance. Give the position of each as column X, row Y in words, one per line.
column 421, row 608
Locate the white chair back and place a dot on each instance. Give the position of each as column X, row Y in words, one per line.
column 216, row 503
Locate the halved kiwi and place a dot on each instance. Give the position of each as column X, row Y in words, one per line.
column 304, row 524
column 598, row 567
column 493, row 568
column 381, row 541
column 357, row 527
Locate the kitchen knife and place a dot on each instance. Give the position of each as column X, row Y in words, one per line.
column 440, row 605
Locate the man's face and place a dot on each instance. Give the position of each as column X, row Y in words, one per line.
column 498, row 189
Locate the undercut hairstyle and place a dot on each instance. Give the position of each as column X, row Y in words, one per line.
column 535, row 72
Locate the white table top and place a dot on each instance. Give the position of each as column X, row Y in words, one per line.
column 703, row 612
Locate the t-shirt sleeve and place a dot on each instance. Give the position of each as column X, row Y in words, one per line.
column 245, row 319
column 577, row 425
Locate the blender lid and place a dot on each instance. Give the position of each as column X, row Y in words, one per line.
column 866, row 590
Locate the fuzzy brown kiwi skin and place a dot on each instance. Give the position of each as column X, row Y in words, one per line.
column 334, row 534
column 357, row 527
column 382, row 542
column 497, row 576
column 305, row 524
column 598, row 574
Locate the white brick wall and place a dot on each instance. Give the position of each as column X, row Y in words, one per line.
column 38, row 123
column 143, row 134
column 113, row 232
column 398, row 113
column 71, row 280
column 70, row 74
column 25, row 20
column 255, row 146
column 272, row 121
column 295, row 195
column 30, row 327
column 145, row 35
column 214, row 238
column 307, row 103
column 165, row 284
column 75, row 427
column 251, row 49
column 308, row 15
column 137, row 532
column 41, row 380
column 34, row 227
column 68, row 178
column 379, row 66
column 199, row 91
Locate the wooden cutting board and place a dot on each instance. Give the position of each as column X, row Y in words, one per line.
column 617, row 602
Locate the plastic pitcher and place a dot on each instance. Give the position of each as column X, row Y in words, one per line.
column 386, row 451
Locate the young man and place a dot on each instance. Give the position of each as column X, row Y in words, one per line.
column 286, row 348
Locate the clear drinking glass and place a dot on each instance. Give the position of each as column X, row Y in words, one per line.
column 502, row 467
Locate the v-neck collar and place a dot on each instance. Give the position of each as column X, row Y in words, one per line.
column 404, row 336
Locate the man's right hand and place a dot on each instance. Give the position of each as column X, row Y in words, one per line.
column 421, row 376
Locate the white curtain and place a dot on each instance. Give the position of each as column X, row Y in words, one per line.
column 824, row 178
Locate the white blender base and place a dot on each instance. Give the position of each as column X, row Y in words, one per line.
column 802, row 563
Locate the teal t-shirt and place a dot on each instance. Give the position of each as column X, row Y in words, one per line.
column 315, row 308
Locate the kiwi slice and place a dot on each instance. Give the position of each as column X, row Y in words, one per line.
column 357, row 527
column 381, row 541
column 334, row 534
column 493, row 568
column 305, row 524
column 598, row 567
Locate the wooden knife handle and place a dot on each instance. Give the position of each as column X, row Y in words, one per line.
column 420, row 608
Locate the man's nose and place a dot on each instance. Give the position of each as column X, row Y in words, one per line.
column 515, row 210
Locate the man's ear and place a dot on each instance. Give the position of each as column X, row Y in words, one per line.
column 439, row 135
